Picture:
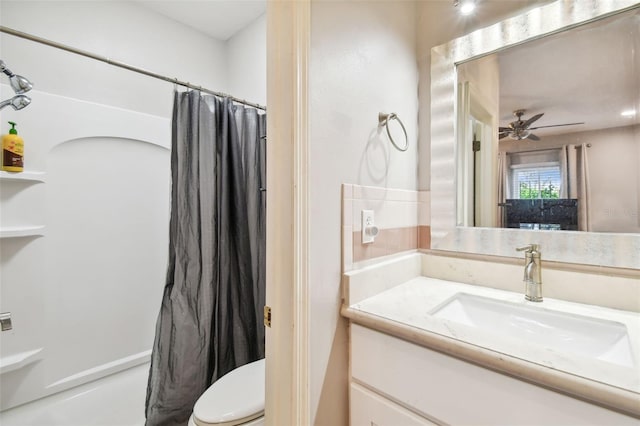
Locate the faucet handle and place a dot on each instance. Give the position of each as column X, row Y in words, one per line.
column 528, row 248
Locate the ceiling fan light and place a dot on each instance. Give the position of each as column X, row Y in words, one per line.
column 519, row 134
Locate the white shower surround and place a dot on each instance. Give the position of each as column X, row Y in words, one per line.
column 85, row 294
column 115, row 400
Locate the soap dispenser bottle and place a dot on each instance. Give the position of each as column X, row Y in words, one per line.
column 12, row 151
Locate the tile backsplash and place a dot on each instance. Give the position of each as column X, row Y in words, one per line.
column 402, row 217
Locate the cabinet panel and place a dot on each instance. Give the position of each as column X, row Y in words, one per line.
column 458, row 392
column 369, row 408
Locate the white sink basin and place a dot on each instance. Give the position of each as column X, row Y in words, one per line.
column 591, row 337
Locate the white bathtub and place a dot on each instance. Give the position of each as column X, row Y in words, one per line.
column 115, row 400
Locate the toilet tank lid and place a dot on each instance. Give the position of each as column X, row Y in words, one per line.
column 236, row 395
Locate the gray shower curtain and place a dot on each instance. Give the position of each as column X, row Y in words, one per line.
column 210, row 320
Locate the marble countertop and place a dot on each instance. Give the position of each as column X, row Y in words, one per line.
column 405, row 310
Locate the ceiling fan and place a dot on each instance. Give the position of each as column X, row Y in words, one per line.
column 520, row 129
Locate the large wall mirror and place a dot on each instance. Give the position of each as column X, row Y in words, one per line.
column 536, row 135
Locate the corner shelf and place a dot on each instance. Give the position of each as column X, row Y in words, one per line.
column 21, row 231
column 22, row 176
column 19, row 360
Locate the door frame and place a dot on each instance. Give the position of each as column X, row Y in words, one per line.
column 287, row 281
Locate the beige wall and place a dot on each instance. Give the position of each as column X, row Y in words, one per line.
column 366, row 57
column 362, row 62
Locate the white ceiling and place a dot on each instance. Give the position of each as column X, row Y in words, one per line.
column 589, row 74
column 220, row 19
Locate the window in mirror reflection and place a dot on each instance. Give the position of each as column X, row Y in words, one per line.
column 533, row 179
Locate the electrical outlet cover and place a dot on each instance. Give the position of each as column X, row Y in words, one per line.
column 367, row 221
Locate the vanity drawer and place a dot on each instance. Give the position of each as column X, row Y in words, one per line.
column 368, row 408
column 452, row 391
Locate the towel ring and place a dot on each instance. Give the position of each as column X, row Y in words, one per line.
column 383, row 120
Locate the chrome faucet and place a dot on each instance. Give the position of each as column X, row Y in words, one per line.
column 532, row 273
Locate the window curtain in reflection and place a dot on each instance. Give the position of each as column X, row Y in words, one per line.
column 210, row 319
column 575, row 175
column 504, row 163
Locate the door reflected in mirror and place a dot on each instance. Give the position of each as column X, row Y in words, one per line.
column 548, row 132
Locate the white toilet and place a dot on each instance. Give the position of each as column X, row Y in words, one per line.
column 237, row 398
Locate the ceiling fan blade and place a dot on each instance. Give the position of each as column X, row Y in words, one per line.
column 504, row 129
column 531, row 120
column 502, row 135
column 533, row 137
column 555, row 125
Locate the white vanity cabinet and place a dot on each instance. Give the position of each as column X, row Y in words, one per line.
column 368, row 408
column 396, row 383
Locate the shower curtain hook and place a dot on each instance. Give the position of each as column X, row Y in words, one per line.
column 175, row 84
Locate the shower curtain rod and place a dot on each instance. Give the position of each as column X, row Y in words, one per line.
column 123, row 65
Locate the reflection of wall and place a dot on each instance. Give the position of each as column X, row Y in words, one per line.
column 613, row 172
column 483, row 76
